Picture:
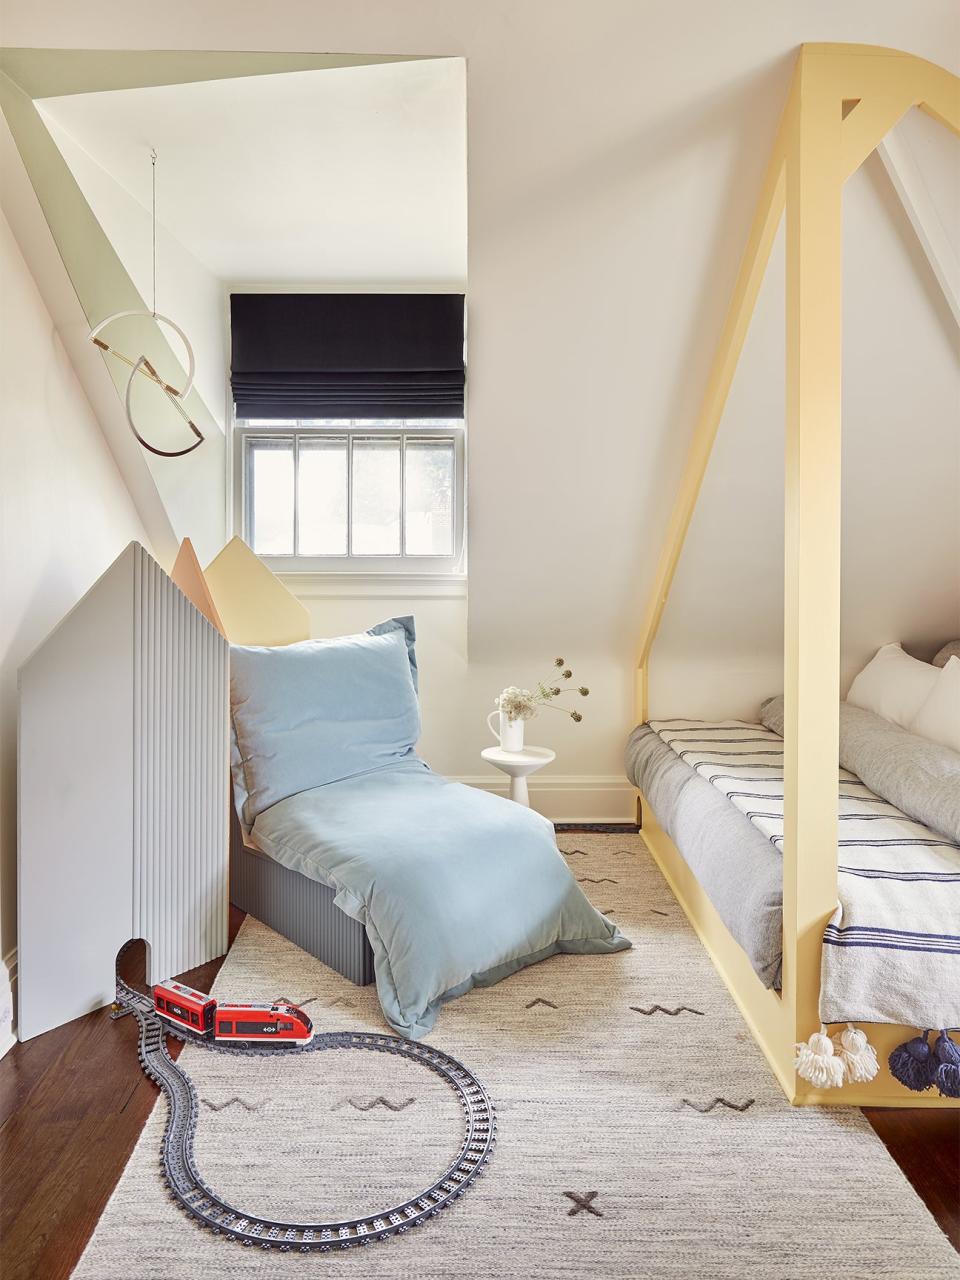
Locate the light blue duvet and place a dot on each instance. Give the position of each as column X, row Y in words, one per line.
column 457, row 888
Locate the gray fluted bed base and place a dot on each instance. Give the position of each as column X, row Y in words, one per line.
column 301, row 910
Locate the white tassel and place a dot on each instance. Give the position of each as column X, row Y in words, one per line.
column 857, row 1054
column 816, row 1062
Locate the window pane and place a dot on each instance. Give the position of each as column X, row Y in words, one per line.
column 322, row 481
column 429, row 497
column 376, row 496
column 271, row 497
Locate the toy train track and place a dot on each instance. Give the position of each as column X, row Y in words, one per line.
column 203, row 1203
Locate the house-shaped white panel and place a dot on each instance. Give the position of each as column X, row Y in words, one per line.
column 123, row 789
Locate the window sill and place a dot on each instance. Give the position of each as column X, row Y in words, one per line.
column 376, row 586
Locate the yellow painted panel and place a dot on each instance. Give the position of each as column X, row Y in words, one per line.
column 762, row 1008
column 812, row 536
column 255, row 606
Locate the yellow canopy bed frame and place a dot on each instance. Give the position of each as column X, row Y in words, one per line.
column 843, row 100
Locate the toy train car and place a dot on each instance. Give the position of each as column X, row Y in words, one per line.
column 279, row 1023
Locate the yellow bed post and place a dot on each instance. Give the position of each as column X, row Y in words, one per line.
column 811, row 675
column 843, row 99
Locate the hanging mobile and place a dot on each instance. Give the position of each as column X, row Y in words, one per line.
column 142, row 365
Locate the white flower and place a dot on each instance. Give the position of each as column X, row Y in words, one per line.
column 519, row 704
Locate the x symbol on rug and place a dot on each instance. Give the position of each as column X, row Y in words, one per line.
column 583, row 1202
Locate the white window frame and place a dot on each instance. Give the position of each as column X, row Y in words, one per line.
column 363, row 566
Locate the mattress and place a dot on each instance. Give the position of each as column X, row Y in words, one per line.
column 892, row 946
column 738, row 868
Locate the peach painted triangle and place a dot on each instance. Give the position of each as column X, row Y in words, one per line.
column 188, row 576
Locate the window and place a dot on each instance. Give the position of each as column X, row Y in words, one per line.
column 352, row 494
column 349, row 430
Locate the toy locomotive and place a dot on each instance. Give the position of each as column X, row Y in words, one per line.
column 239, row 1024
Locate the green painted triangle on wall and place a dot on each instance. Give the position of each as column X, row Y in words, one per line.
column 49, row 73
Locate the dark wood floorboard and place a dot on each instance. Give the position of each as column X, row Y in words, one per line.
column 73, row 1103
column 926, row 1146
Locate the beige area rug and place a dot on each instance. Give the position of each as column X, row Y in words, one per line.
column 641, row 1133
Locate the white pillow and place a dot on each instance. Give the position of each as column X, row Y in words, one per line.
column 939, row 717
column 893, row 685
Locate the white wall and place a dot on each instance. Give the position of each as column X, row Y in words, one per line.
column 335, row 175
column 615, row 151
column 192, row 495
column 901, row 442
column 64, row 516
column 187, row 291
column 457, row 692
column 719, row 651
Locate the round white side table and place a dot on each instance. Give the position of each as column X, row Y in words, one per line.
column 518, row 765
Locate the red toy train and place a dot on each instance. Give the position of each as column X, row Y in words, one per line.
column 230, row 1023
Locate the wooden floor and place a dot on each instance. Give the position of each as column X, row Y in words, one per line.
column 73, row 1102
column 926, row 1146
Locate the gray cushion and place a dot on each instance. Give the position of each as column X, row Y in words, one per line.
column 922, row 778
column 950, row 650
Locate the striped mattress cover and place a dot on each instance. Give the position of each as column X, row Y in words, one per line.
column 892, row 947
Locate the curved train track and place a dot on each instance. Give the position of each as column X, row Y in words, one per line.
column 203, row 1203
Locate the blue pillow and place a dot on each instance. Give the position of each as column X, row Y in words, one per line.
column 307, row 714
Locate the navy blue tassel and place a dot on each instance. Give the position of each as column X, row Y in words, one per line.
column 945, row 1066
column 911, row 1063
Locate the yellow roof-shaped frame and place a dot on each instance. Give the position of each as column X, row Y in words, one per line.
column 843, row 100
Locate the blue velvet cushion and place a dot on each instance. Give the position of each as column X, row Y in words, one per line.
column 312, row 713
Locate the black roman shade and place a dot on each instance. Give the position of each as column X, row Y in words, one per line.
column 347, row 355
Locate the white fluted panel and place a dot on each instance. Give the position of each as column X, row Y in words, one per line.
column 180, row 884
column 122, row 789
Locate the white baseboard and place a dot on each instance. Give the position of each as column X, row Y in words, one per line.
column 571, row 797
column 8, row 1001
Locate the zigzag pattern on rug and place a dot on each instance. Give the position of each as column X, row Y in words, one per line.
column 222, row 1106
column 339, row 1002
column 705, row 1108
column 370, row 1103
column 671, row 1013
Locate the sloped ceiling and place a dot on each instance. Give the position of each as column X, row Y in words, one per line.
column 719, row 650
column 615, row 154
column 252, row 194
column 346, row 174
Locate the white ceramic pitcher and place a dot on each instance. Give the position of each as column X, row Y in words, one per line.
column 510, row 736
